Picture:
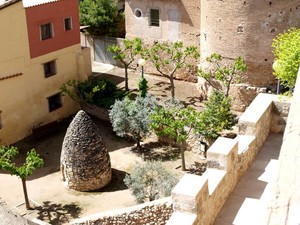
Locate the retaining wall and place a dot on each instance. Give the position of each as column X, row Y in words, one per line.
column 151, row 213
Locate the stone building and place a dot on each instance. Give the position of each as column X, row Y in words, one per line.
column 85, row 162
column 228, row 27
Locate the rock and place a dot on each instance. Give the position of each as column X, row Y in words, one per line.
column 85, row 162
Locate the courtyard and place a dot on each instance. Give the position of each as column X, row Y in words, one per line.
column 55, row 204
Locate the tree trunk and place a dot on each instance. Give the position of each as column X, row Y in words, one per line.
column 182, row 157
column 126, row 78
column 25, row 193
column 172, row 87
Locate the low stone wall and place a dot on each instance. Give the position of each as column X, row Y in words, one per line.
column 100, row 113
column 9, row 216
column 198, row 200
column 151, row 213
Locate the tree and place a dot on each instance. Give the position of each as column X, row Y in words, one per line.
column 227, row 74
column 126, row 53
column 100, row 15
column 169, row 57
column 150, row 181
column 32, row 162
column 216, row 117
column 132, row 117
column 175, row 122
column 286, row 48
column 143, row 87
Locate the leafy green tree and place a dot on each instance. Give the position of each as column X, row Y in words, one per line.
column 126, row 53
column 100, row 15
column 175, row 122
column 32, row 162
column 226, row 74
column 132, row 117
column 286, row 48
column 169, row 57
column 216, row 117
column 150, row 181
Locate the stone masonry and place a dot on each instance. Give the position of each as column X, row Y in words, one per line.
column 85, row 162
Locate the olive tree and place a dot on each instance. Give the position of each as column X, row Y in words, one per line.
column 32, row 162
column 126, row 53
column 132, row 117
column 169, row 57
column 286, row 48
column 150, row 181
column 225, row 73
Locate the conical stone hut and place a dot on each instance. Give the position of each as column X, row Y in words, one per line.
column 85, row 162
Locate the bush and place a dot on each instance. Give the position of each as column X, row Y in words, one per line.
column 216, row 117
column 286, row 48
column 150, row 181
column 132, row 117
column 102, row 93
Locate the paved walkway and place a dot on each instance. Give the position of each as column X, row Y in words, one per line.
column 248, row 203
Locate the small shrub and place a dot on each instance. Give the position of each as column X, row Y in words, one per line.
column 150, row 181
column 102, row 93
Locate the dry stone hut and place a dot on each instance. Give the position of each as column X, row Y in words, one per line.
column 85, row 162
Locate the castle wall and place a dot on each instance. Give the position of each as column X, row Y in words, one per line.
column 246, row 28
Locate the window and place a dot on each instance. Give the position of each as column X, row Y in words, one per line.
column 137, row 13
column 154, row 17
column 68, row 23
column 1, row 125
column 50, row 68
column 54, row 102
column 46, row 31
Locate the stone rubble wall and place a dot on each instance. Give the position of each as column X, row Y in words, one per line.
column 151, row 213
column 197, row 200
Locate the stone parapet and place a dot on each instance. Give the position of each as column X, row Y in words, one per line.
column 201, row 198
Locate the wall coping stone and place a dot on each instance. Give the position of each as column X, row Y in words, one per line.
column 214, row 176
column 243, row 142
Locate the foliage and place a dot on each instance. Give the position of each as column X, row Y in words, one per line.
column 169, row 57
column 101, row 15
column 227, row 74
column 132, row 117
column 175, row 122
column 32, row 162
column 150, row 181
column 286, row 48
column 98, row 92
column 126, row 53
column 216, row 117
column 143, row 86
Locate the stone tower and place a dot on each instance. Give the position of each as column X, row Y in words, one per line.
column 246, row 28
column 85, row 162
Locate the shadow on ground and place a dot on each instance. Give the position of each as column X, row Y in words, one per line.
column 116, row 183
column 57, row 213
column 158, row 152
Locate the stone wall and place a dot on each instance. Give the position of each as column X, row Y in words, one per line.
column 9, row 216
column 151, row 213
column 197, row 200
column 284, row 209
